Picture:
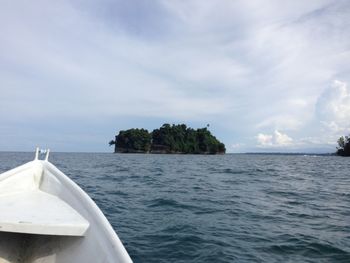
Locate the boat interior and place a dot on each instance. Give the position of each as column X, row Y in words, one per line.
column 33, row 248
column 36, row 223
column 46, row 218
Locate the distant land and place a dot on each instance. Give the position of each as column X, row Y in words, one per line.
column 168, row 139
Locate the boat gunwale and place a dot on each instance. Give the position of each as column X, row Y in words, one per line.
column 106, row 226
column 101, row 224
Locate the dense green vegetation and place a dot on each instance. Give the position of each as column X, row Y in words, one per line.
column 132, row 140
column 344, row 146
column 168, row 139
column 180, row 139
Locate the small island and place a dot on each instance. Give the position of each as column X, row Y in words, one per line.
column 343, row 148
column 168, row 139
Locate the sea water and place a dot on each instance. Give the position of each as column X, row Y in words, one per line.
column 218, row 208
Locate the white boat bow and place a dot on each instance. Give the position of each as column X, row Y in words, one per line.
column 45, row 217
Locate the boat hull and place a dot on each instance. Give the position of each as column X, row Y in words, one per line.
column 98, row 243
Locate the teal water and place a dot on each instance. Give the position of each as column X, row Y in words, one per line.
column 228, row 208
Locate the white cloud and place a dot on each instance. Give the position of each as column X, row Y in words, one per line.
column 277, row 139
column 282, row 139
column 264, row 139
column 333, row 108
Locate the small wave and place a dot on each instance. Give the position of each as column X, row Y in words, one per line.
column 310, row 250
column 301, row 215
column 283, row 193
column 116, row 192
column 168, row 203
column 294, row 202
column 227, row 171
column 121, row 169
column 103, row 165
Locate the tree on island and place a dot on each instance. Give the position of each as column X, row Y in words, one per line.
column 180, row 139
column 132, row 140
column 170, row 139
column 344, row 146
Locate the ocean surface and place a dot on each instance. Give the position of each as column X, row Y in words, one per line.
column 225, row 208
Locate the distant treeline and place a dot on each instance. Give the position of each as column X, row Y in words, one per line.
column 168, row 139
column 344, row 146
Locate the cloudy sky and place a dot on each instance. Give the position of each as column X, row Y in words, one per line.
column 266, row 75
